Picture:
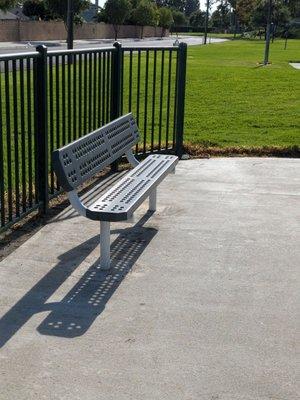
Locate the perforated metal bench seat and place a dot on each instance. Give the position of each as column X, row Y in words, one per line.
column 82, row 159
column 119, row 203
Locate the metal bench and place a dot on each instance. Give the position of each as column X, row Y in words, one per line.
column 83, row 158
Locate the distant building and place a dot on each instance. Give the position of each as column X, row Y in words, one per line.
column 13, row 13
column 89, row 14
column 7, row 15
column 19, row 13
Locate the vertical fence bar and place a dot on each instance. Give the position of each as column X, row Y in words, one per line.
column 69, row 105
column 103, row 87
column 2, row 187
column 130, row 82
column 116, row 81
column 138, row 89
column 168, row 99
column 175, row 102
column 16, row 138
column 57, row 97
column 146, row 101
column 108, row 77
column 99, row 87
column 80, row 96
column 23, row 142
column 161, row 98
column 153, row 99
column 122, row 81
column 29, row 131
column 180, row 100
column 95, row 91
column 90, row 85
column 8, row 139
column 51, row 116
column 115, row 99
column 63, row 98
column 85, row 101
column 42, row 128
column 75, row 79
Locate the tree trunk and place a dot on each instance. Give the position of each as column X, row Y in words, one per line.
column 116, row 29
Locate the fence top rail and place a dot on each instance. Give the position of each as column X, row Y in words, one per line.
column 81, row 51
column 19, row 56
column 150, row 48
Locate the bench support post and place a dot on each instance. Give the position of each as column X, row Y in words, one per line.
column 152, row 200
column 104, row 244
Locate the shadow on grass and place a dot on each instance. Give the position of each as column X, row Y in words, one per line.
column 73, row 315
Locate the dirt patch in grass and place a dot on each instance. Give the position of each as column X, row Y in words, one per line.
column 196, row 151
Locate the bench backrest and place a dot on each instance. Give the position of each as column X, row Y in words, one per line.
column 83, row 158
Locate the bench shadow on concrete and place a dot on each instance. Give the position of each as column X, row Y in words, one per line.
column 75, row 313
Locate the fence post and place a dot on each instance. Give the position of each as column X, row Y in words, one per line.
column 180, row 100
column 115, row 101
column 41, row 113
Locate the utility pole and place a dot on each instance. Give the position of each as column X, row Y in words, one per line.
column 70, row 24
column 268, row 36
column 206, row 21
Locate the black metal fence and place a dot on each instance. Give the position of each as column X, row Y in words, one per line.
column 50, row 98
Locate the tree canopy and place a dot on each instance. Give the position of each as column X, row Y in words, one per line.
column 197, row 19
column 226, row 15
column 165, row 17
column 145, row 14
column 59, row 8
column 7, row 4
column 115, row 13
column 35, row 8
column 280, row 13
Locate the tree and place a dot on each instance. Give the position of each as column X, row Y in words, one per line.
column 101, row 15
column 280, row 14
column 179, row 20
column 165, row 19
column 233, row 16
column 59, row 9
column 220, row 18
column 294, row 7
column 145, row 14
column 35, row 8
column 116, row 11
column 178, row 5
column 191, row 6
column 7, row 4
column 197, row 19
column 208, row 5
column 244, row 10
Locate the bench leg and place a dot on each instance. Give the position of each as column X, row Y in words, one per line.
column 152, row 200
column 104, row 244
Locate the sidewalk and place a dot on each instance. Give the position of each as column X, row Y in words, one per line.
column 201, row 302
column 6, row 47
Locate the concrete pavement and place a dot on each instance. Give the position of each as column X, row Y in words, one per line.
column 201, row 302
column 16, row 47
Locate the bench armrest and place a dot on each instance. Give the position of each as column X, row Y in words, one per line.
column 130, row 157
column 76, row 203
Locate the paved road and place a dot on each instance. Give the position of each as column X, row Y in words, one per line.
column 201, row 303
column 10, row 47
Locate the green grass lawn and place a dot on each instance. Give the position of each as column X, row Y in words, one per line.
column 231, row 102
